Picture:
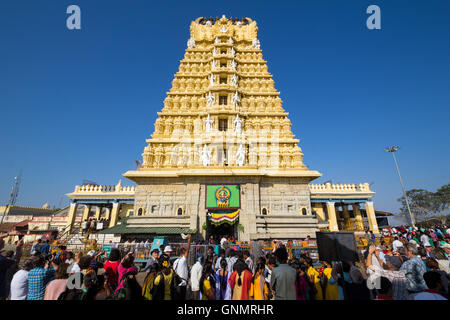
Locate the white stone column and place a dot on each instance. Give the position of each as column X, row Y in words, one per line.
column 86, row 211
column 98, row 212
column 370, row 211
column 332, row 221
column 71, row 216
column 114, row 214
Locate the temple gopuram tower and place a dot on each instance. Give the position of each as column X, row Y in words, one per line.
column 222, row 159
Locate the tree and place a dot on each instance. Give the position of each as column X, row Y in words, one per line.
column 426, row 205
column 441, row 200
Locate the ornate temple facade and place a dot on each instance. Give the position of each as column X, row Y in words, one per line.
column 222, row 158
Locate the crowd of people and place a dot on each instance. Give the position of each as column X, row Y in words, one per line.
column 92, row 225
column 407, row 264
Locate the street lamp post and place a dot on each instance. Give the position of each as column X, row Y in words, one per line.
column 392, row 150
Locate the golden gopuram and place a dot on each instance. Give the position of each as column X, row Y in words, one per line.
column 222, row 159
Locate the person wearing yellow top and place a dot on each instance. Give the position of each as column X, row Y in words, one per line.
column 207, row 283
column 314, row 279
column 167, row 283
column 331, row 289
column 365, row 242
column 259, row 289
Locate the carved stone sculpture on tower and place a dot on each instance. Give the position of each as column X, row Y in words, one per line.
column 237, row 125
column 208, row 123
column 235, row 99
column 191, row 43
column 233, row 52
column 230, row 41
column 234, row 79
column 240, row 155
column 224, row 29
column 256, row 44
column 214, row 52
column 233, row 65
column 206, row 156
column 213, row 64
column 217, row 40
column 212, row 79
column 210, row 99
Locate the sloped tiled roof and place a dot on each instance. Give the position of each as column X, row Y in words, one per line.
column 123, row 229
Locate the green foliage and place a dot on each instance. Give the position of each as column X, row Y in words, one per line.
column 240, row 227
column 426, row 205
column 204, row 226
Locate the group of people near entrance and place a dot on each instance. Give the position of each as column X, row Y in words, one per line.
column 406, row 264
column 92, row 225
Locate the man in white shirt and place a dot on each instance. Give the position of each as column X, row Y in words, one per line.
column 180, row 267
column 396, row 244
column 424, row 239
column 231, row 260
column 434, row 284
column 196, row 274
column 19, row 282
column 223, row 242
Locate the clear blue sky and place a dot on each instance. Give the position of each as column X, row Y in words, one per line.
column 79, row 104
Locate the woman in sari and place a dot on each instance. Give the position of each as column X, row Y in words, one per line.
column 223, row 289
column 259, row 289
column 313, row 276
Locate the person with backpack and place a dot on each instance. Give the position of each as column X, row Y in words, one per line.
column 130, row 288
column 166, row 282
column 149, row 281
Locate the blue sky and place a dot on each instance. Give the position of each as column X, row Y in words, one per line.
column 79, row 104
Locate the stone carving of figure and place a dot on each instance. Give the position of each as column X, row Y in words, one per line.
column 208, row 23
column 230, row 41
column 224, row 29
column 235, row 99
column 206, row 156
column 208, row 123
column 210, row 99
column 240, row 155
column 212, row 78
column 217, row 40
column 213, row 64
column 191, row 43
column 214, row 52
column 232, row 52
column 256, row 44
column 233, row 65
column 237, row 124
column 234, row 79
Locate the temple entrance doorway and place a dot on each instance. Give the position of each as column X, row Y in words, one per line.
column 217, row 231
